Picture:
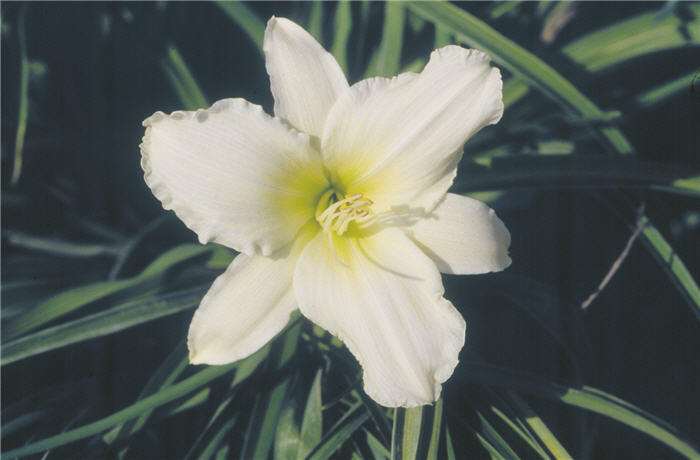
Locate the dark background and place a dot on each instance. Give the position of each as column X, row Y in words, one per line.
column 81, row 178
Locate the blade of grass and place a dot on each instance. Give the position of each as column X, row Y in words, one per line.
column 312, row 423
column 59, row 247
column 160, row 398
column 246, row 19
column 185, row 98
column 211, row 448
column 23, row 421
column 495, row 440
column 194, row 401
column 184, row 82
column 100, row 324
column 583, row 397
column 520, row 171
column 521, row 429
column 164, row 396
column 634, row 37
column 315, row 24
column 378, row 414
column 379, row 451
column 540, row 429
column 449, row 447
column 23, row 98
column 522, row 63
column 442, row 38
column 494, row 454
column 513, row 91
column 263, row 424
column 434, row 446
column 73, row 299
column 245, row 370
column 406, row 434
column 165, row 375
column 499, row 9
column 287, row 437
column 665, row 91
column 341, row 29
column 671, row 263
column 386, row 60
column 351, row 421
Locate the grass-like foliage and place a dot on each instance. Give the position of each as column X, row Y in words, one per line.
column 587, row 347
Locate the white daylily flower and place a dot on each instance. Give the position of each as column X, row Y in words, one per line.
column 339, row 207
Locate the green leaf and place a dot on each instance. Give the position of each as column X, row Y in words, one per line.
column 543, row 433
column 406, row 434
column 522, row 430
column 246, row 19
column 665, row 91
column 216, row 421
column 341, row 28
column 211, row 450
column 379, row 451
column 220, row 258
column 671, row 263
column 100, row 324
column 504, row 7
column 523, row 64
column 494, row 454
column 642, row 34
column 513, row 91
column 267, row 408
column 312, row 423
column 23, row 94
column 22, row 421
column 691, row 183
column 351, row 421
column 183, row 81
column 64, row 303
column 251, row 363
column 164, row 376
column 287, row 437
column 194, row 401
column 442, row 37
column 434, row 446
column 571, row 171
column 495, row 440
column 222, row 454
column 386, row 60
column 584, row 397
column 448, row 445
column 160, row 398
column 416, row 432
column 378, row 414
column 73, row 299
column 315, row 26
column 164, row 396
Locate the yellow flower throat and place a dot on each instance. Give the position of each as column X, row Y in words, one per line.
column 335, row 214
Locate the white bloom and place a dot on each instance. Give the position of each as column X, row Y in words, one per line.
column 339, row 207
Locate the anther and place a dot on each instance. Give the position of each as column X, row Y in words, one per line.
column 338, row 215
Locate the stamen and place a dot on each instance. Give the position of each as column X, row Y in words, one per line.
column 339, row 214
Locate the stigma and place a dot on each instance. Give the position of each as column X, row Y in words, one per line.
column 338, row 214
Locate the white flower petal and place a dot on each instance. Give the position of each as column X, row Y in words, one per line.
column 386, row 305
column 396, row 139
column 463, row 236
column 305, row 79
column 233, row 174
column 247, row 305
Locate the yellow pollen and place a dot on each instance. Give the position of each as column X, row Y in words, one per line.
column 339, row 214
